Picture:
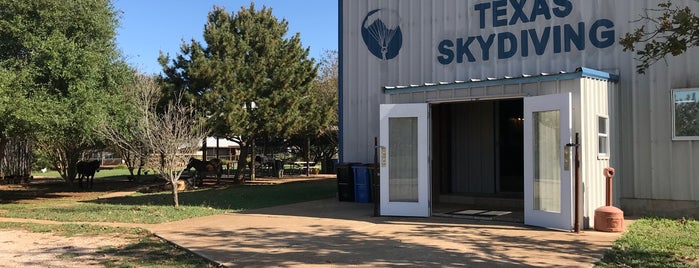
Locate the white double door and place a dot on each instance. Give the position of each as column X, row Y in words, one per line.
column 404, row 151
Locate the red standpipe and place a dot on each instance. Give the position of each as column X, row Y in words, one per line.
column 609, row 218
column 609, row 174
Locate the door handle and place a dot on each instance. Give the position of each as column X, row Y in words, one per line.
column 566, row 155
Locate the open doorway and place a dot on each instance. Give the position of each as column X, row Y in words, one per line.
column 477, row 164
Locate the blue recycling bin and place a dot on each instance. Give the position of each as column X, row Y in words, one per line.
column 362, row 183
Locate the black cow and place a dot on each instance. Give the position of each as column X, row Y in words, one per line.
column 204, row 168
column 86, row 170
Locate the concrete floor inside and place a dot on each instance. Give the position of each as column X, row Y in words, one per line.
column 504, row 209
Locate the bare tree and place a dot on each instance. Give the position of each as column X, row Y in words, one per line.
column 171, row 132
column 123, row 129
column 174, row 135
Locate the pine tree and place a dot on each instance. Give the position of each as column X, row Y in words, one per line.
column 246, row 59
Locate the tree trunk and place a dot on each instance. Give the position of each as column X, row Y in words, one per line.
column 15, row 159
column 175, row 197
column 204, row 150
column 308, row 156
column 252, row 161
column 242, row 163
column 3, row 144
column 66, row 166
column 129, row 160
column 71, row 167
column 141, row 163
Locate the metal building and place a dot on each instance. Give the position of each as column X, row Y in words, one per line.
column 476, row 99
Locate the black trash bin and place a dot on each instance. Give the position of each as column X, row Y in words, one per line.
column 345, row 182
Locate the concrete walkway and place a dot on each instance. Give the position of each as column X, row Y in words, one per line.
column 328, row 233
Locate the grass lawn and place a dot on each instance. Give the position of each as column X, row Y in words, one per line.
column 158, row 207
column 656, row 243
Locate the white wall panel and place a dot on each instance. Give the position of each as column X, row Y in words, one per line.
column 595, row 97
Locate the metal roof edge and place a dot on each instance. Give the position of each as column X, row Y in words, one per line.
column 483, row 83
column 507, row 80
column 597, row 74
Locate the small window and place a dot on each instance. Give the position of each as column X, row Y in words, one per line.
column 602, row 137
column 685, row 114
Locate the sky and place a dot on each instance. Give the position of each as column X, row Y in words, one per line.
column 148, row 27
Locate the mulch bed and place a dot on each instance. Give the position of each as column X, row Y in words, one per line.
column 41, row 188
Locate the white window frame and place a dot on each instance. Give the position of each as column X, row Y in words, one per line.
column 600, row 155
column 672, row 108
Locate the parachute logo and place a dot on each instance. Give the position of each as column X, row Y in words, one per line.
column 381, row 33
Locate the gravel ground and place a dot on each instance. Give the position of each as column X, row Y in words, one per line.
column 27, row 249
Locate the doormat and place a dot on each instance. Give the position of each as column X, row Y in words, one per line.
column 480, row 213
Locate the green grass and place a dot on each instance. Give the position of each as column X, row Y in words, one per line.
column 238, row 197
column 69, row 230
column 656, row 243
column 151, row 251
column 158, row 207
column 96, row 212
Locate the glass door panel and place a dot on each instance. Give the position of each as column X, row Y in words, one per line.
column 403, row 158
column 547, row 171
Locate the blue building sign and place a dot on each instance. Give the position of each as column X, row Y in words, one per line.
column 382, row 34
column 526, row 42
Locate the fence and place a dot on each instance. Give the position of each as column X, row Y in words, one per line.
column 16, row 165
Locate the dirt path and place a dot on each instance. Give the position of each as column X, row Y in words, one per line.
column 27, row 249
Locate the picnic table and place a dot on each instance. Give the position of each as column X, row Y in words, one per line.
column 301, row 166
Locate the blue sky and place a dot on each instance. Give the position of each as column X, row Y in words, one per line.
column 147, row 27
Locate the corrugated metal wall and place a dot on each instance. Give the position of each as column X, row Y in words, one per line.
column 597, row 98
column 651, row 166
column 473, row 148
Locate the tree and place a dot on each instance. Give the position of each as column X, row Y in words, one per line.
column 15, row 138
column 318, row 139
column 122, row 126
column 672, row 31
column 64, row 57
column 171, row 132
column 12, row 108
column 246, row 59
